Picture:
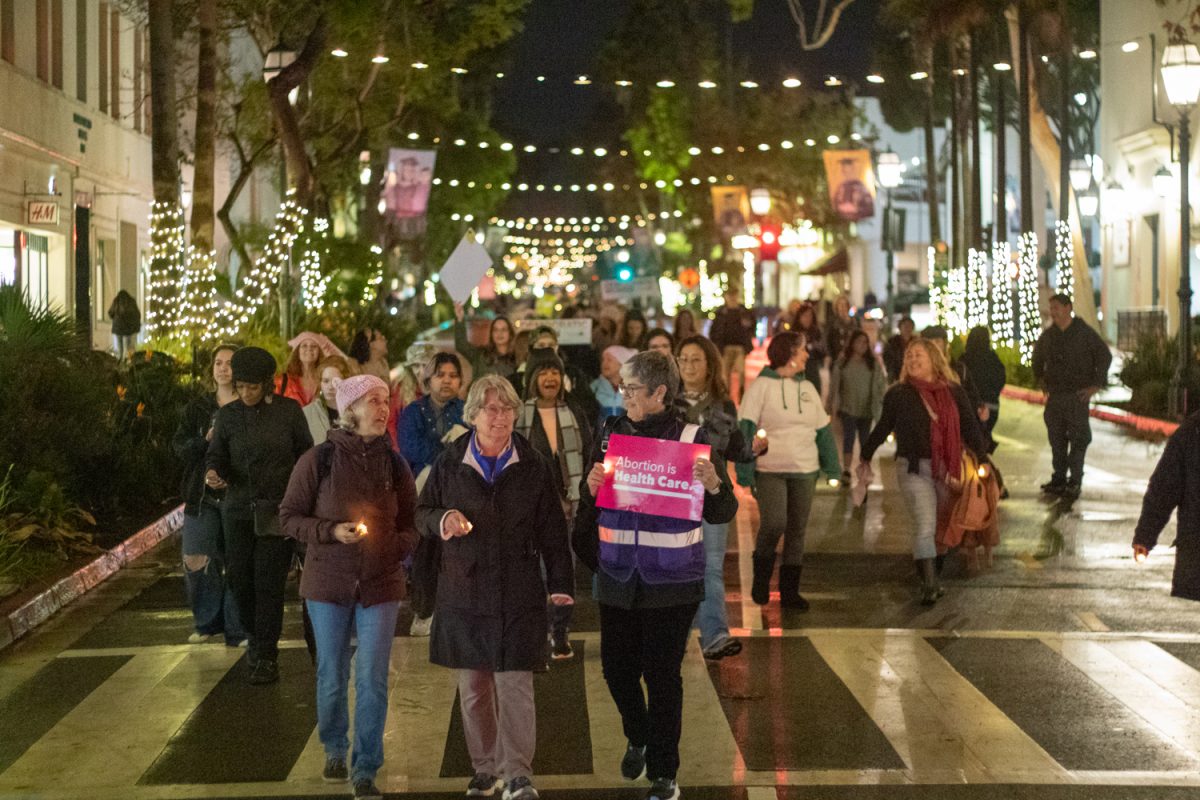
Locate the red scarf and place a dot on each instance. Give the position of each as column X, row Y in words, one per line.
column 945, row 437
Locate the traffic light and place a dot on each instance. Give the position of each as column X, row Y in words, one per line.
column 768, row 243
column 625, row 274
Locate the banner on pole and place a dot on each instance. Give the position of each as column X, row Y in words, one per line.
column 652, row 476
column 851, row 183
column 644, row 289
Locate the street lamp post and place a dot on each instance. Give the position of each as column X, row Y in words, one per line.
column 760, row 206
column 889, row 177
column 1181, row 79
column 276, row 59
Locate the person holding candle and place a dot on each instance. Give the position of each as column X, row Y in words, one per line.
column 786, row 405
column 351, row 501
column 494, row 504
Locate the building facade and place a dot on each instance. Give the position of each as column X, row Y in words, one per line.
column 75, row 181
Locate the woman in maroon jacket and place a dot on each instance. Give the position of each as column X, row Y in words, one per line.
column 351, row 501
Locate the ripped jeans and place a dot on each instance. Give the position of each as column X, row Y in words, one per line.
column 213, row 608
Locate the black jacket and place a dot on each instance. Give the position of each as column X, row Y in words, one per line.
column 254, row 450
column 733, row 326
column 1176, row 484
column 719, row 508
column 491, row 599
column 1070, row 360
column 904, row 414
column 893, row 356
column 191, row 446
column 986, row 371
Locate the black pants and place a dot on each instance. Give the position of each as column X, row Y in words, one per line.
column 256, row 568
column 648, row 643
column 1069, row 429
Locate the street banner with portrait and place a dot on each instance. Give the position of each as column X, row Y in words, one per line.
column 731, row 209
column 851, row 183
column 570, row 331
column 406, row 186
column 646, row 290
column 652, row 476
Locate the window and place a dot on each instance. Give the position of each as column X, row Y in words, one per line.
column 81, row 50
column 8, row 257
column 114, row 62
column 137, row 79
column 43, row 40
column 37, row 269
column 56, row 43
column 102, row 50
column 148, row 126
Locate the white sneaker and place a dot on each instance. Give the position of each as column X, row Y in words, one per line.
column 420, row 627
column 199, row 638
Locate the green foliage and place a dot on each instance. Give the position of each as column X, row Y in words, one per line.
column 665, row 132
column 1148, row 370
column 1018, row 374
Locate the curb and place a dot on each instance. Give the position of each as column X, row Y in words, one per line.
column 1107, row 413
column 86, row 578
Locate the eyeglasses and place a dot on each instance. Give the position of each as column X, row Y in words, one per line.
column 630, row 388
column 496, row 412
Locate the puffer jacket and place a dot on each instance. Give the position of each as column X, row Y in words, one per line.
column 363, row 482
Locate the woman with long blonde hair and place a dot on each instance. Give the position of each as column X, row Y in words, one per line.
column 933, row 421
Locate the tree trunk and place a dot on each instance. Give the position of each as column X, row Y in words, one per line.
column 1045, row 145
column 164, row 140
column 1000, row 223
column 976, row 236
column 954, row 129
column 203, row 200
column 931, row 171
column 1017, row 18
column 299, row 165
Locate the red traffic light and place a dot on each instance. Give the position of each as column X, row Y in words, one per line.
column 768, row 243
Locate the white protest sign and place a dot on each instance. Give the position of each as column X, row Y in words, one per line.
column 627, row 291
column 465, row 268
column 570, row 331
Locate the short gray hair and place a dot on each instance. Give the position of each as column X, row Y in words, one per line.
column 654, row 369
column 477, row 396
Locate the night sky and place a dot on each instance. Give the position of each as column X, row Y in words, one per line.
column 564, row 38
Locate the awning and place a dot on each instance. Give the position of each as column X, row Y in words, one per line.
column 835, row 262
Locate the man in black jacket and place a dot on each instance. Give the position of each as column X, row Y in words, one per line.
column 732, row 332
column 1071, row 362
column 1175, row 484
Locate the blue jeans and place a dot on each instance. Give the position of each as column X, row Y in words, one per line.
column 923, row 496
column 712, row 616
column 375, row 626
column 213, row 607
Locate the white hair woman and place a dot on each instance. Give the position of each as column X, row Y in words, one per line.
column 493, row 503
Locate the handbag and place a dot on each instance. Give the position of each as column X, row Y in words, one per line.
column 266, row 520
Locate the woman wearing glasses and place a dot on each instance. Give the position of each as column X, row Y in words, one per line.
column 494, row 504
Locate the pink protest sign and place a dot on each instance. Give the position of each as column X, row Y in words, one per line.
column 652, row 476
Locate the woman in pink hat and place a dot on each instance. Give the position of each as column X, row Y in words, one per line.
column 351, row 501
column 301, row 378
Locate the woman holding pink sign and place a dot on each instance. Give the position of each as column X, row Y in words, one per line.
column 649, row 570
column 783, row 405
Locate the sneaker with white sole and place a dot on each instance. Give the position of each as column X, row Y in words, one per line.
column 420, row 626
column 335, row 770
column 633, row 764
column 520, row 788
column 199, row 638
column 484, row 785
column 663, row 789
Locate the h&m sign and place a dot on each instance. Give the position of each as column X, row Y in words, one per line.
column 41, row 212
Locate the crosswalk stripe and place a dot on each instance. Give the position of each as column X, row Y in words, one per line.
column 608, row 742
column 934, row 718
column 708, row 753
column 1167, row 713
column 419, row 707
column 125, row 722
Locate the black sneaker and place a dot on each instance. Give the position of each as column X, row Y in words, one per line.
column 1053, row 487
column 266, row 670
column 484, row 785
column 633, row 765
column 335, row 770
column 365, row 789
column 560, row 648
column 663, row 789
column 1070, row 491
column 520, row 788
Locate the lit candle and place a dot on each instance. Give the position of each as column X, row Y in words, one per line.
column 834, row 482
column 360, row 529
column 762, row 433
column 982, row 471
column 608, row 467
column 1139, row 557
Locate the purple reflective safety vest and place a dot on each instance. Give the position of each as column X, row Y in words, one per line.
column 659, row 549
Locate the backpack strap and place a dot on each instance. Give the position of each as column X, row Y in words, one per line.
column 324, row 460
column 610, row 427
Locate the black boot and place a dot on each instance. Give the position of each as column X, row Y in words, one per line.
column 930, row 590
column 760, row 592
column 789, row 588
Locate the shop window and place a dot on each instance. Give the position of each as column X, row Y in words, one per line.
column 107, row 276
column 36, row 270
column 8, row 257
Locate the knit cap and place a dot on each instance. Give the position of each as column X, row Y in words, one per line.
column 253, row 365
column 621, row 354
column 353, row 389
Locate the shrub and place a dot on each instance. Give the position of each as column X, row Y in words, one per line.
column 1147, row 372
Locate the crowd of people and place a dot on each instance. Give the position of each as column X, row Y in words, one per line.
column 466, row 479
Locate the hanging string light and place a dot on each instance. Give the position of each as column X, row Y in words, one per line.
column 1027, row 294
column 977, row 293
column 1002, row 304
column 956, row 300
column 167, row 265
column 1064, row 258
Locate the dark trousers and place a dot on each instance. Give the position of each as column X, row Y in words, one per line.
column 1069, row 429
column 647, row 643
column 256, row 568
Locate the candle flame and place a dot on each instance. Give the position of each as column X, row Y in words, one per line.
column 762, row 433
column 982, row 471
column 1139, row 557
column 834, row 482
column 360, row 529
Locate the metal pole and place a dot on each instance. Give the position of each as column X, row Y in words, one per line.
column 890, row 235
column 1179, row 387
